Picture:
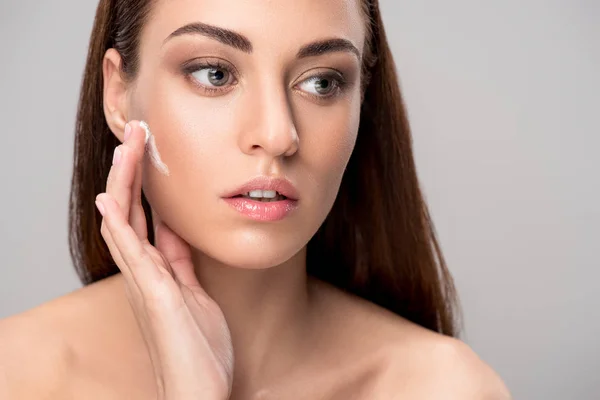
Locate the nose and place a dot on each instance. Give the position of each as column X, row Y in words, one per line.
column 270, row 128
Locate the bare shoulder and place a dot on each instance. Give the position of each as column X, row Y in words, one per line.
column 30, row 362
column 407, row 360
column 445, row 368
column 48, row 352
column 34, row 356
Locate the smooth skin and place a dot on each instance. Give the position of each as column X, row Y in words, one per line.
column 292, row 337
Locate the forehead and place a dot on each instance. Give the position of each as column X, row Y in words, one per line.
column 271, row 25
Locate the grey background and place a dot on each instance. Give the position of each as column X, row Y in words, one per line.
column 503, row 100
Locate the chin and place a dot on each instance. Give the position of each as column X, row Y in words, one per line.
column 252, row 250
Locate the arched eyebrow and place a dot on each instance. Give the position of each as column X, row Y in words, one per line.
column 242, row 43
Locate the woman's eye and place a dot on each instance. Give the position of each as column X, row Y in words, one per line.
column 211, row 76
column 322, row 86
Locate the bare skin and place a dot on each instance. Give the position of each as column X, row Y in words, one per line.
column 294, row 338
column 87, row 344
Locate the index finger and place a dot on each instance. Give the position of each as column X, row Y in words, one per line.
column 124, row 178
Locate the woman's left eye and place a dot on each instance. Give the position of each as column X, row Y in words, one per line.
column 210, row 76
column 324, row 86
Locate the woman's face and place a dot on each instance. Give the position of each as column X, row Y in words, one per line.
column 225, row 111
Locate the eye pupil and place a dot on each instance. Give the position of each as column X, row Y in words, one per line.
column 217, row 74
column 320, row 85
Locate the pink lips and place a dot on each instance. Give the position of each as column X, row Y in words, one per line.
column 261, row 210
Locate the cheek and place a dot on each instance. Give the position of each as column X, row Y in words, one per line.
column 193, row 127
column 191, row 135
column 327, row 145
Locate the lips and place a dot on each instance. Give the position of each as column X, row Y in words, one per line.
column 263, row 211
column 280, row 185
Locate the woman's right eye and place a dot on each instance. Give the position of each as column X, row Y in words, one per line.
column 212, row 76
column 209, row 77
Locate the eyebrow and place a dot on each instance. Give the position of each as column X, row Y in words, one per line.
column 241, row 42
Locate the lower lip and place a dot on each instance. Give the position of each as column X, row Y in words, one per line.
column 261, row 210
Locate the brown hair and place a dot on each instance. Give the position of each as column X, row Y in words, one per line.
column 377, row 242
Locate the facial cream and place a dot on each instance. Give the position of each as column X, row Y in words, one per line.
column 152, row 150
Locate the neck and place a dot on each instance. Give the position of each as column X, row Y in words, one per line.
column 267, row 311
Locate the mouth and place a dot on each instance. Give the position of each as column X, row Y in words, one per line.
column 264, row 199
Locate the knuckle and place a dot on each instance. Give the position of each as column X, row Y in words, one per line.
column 160, row 303
column 104, row 230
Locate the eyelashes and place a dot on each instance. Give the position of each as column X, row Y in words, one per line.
column 193, row 71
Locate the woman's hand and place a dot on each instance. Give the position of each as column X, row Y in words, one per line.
column 184, row 329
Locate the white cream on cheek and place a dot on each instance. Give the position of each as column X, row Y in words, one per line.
column 152, row 150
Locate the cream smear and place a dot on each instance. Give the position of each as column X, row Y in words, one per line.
column 152, row 150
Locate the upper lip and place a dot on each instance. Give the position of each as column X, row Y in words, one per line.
column 283, row 186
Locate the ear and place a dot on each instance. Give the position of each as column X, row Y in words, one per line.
column 115, row 93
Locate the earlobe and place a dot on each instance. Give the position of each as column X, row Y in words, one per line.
column 115, row 93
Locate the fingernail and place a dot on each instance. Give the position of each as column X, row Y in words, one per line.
column 127, row 131
column 100, row 207
column 116, row 156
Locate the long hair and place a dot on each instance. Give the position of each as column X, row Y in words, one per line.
column 378, row 241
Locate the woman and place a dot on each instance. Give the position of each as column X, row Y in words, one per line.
column 269, row 241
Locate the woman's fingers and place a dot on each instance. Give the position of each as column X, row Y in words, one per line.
column 119, row 176
column 105, row 204
column 112, row 247
column 123, row 176
column 137, row 218
column 137, row 266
